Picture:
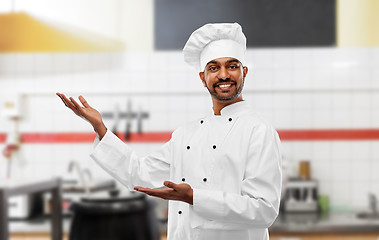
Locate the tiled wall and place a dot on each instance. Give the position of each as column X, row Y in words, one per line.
column 297, row 88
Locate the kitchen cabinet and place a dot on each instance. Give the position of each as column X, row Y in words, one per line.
column 329, row 236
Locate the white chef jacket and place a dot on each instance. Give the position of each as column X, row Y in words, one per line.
column 233, row 163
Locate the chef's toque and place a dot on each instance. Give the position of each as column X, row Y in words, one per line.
column 212, row 41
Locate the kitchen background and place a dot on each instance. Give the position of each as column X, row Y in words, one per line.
column 323, row 100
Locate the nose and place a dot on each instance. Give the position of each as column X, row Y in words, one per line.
column 223, row 73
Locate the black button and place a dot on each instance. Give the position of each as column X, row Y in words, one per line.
column 188, row 147
column 183, row 179
column 201, row 121
column 230, row 119
column 204, row 179
column 214, row 146
column 180, row 212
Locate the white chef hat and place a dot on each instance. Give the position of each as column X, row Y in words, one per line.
column 215, row 40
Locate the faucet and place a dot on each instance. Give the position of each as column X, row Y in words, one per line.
column 75, row 164
column 373, row 203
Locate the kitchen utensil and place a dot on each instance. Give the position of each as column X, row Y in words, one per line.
column 304, row 170
column 129, row 118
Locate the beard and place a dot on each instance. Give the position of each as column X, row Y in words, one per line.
column 231, row 97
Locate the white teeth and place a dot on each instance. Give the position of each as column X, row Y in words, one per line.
column 224, row 85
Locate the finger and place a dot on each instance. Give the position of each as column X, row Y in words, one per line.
column 77, row 105
column 170, row 184
column 149, row 191
column 84, row 102
column 162, row 193
column 62, row 100
column 68, row 102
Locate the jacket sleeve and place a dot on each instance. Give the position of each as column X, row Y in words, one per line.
column 257, row 203
column 121, row 162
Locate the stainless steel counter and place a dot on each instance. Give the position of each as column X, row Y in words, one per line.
column 333, row 222
column 9, row 188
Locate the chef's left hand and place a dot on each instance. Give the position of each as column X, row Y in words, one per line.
column 180, row 192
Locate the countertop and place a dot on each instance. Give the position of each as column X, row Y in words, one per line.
column 36, row 225
column 332, row 222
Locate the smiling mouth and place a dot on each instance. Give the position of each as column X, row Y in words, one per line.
column 225, row 86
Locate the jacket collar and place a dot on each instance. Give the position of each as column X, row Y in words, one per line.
column 234, row 109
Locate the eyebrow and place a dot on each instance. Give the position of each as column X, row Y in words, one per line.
column 229, row 61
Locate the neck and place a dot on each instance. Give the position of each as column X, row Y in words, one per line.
column 219, row 105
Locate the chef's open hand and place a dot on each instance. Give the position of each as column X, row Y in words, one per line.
column 180, row 192
column 86, row 112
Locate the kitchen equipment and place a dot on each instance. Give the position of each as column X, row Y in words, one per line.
column 304, row 170
column 10, row 188
column 99, row 216
column 301, row 196
column 323, row 202
column 25, row 206
column 73, row 191
column 129, row 118
column 116, row 119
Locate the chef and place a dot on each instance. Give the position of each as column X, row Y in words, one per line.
column 222, row 172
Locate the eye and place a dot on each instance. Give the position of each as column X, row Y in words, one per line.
column 233, row 67
column 212, row 68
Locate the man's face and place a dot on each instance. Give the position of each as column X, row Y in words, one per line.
column 224, row 78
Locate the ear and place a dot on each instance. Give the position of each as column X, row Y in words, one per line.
column 202, row 77
column 245, row 70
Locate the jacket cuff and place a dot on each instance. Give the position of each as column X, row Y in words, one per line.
column 207, row 206
column 106, row 149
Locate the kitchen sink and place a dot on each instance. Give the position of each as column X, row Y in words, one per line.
column 73, row 186
column 368, row 215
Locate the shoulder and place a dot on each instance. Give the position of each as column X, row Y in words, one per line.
column 255, row 119
column 257, row 124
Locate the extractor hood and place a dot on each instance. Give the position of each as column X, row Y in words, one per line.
column 20, row 32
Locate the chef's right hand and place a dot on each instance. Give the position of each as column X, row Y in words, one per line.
column 86, row 112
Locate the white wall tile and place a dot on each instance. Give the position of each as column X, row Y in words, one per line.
column 282, row 78
column 302, row 78
column 43, row 63
column 322, row 57
column 261, row 58
column 341, row 196
column 7, row 64
column 321, row 77
column 342, row 118
column 361, row 118
column 360, row 171
column 374, row 55
column 322, row 151
column 341, row 171
column 263, row 78
column 341, row 77
column 282, row 58
column 361, row 55
column 24, row 63
column 360, row 191
column 283, row 119
column 321, row 170
column 302, row 58
column 341, row 151
column 62, row 63
column 361, row 151
column 361, row 77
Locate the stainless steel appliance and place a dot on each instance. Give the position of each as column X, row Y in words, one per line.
column 301, row 196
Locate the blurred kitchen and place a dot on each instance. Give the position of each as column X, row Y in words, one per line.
column 313, row 73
